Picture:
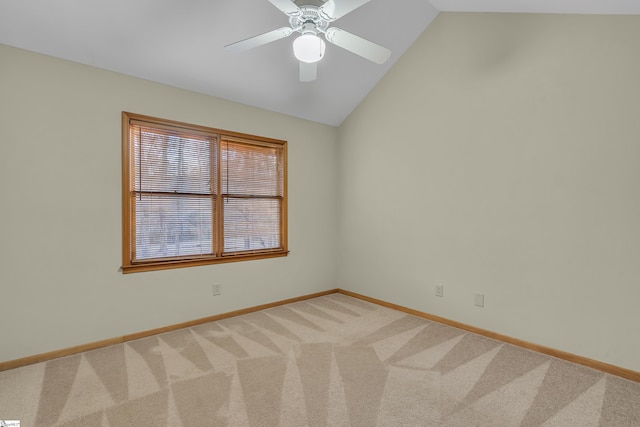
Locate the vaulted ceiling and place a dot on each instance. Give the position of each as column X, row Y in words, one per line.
column 181, row 43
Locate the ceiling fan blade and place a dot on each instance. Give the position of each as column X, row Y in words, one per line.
column 308, row 71
column 369, row 50
column 287, row 7
column 259, row 40
column 334, row 9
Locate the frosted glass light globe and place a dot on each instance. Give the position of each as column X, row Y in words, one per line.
column 308, row 48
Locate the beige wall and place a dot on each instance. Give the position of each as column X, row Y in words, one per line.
column 60, row 195
column 501, row 155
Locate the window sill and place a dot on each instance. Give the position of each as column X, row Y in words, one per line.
column 167, row 265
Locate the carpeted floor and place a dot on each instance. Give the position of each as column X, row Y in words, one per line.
column 328, row 361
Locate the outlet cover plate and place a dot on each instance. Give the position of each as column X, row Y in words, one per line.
column 479, row 300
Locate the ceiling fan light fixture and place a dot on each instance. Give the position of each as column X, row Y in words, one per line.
column 308, row 48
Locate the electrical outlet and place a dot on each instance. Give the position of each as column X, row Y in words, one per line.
column 217, row 289
column 479, row 300
column 439, row 290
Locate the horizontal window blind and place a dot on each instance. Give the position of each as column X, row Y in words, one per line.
column 251, row 170
column 252, row 189
column 173, row 226
column 173, row 162
column 173, row 171
column 251, row 224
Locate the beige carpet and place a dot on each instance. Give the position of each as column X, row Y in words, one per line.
column 329, row 361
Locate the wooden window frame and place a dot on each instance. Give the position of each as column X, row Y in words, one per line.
column 129, row 265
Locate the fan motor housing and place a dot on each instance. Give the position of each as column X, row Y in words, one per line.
column 309, row 21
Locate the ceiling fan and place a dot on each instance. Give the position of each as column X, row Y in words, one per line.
column 311, row 20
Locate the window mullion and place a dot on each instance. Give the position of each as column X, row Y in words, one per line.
column 219, row 210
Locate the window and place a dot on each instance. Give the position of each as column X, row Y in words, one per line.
column 193, row 195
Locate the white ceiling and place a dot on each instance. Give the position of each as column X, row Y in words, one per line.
column 180, row 43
